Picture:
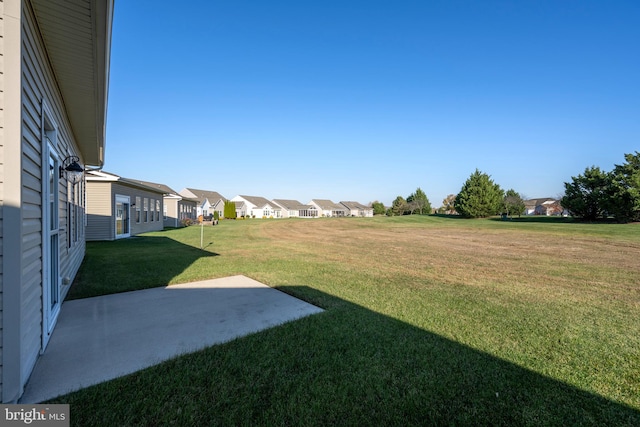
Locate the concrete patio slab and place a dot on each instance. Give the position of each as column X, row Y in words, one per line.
column 101, row 338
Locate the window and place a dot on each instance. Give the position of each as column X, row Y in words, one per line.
column 164, row 212
column 311, row 212
column 138, row 206
column 157, row 210
column 153, row 206
column 145, row 211
column 74, row 213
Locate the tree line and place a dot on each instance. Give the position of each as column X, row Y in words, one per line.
column 479, row 197
column 416, row 203
column 589, row 196
column 599, row 194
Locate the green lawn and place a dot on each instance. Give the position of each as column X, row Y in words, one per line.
column 429, row 320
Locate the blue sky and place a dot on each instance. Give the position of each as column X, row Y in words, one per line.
column 368, row 100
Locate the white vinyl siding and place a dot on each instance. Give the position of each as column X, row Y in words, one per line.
column 99, row 211
column 38, row 84
column 30, row 104
column 170, row 213
column 34, row 86
column 149, row 196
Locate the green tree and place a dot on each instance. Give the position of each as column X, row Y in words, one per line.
column 623, row 200
column 230, row 209
column 378, row 208
column 479, row 197
column 587, row 196
column 513, row 203
column 418, row 201
column 399, row 206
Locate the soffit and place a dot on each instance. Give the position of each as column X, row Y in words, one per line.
column 77, row 37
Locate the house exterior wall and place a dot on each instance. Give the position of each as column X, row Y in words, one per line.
column 284, row 212
column 270, row 211
column 218, row 206
column 203, row 208
column 101, row 209
column 39, row 84
column 358, row 211
column 249, row 208
column 28, row 87
column 321, row 212
column 178, row 209
column 171, row 208
column 241, row 210
column 143, row 226
column 289, row 213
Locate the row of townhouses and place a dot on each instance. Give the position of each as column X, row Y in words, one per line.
column 209, row 202
column 118, row 207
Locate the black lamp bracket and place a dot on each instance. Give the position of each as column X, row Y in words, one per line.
column 70, row 164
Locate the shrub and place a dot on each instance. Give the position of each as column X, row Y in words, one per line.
column 230, row 209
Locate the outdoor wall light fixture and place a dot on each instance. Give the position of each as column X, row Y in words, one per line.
column 72, row 169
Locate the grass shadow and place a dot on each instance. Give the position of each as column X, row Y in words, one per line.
column 154, row 261
column 346, row 366
column 536, row 219
column 447, row 216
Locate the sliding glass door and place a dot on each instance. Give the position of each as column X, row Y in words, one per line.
column 123, row 204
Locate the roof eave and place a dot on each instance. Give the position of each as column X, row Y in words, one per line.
column 78, row 45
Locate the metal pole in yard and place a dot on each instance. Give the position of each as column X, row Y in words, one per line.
column 201, row 232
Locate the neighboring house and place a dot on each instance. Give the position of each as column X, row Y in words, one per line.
column 545, row 206
column 358, row 209
column 295, row 209
column 258, row 207
column 208, row 201
column 120, row 207
column 241, row 209
column 328, row 208
column 54, row 77
column 176, row 208
column 551, row 208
